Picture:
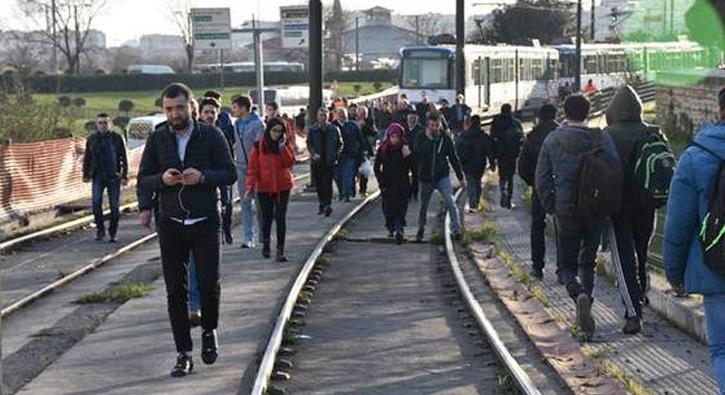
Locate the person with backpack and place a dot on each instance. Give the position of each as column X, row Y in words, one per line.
column 527, row 172
column 474, row 150
column 694, row 245
column 579, row 180
column 508, row 136
column 646, row 160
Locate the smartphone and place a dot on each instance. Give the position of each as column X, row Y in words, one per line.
column 175, row 173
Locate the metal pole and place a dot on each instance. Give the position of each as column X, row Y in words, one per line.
column 460, row 42
column 672, row 17
column 593, row 35
column 664, row 18
column 221, row 76
column 55, row 48
column 315, row 70
column 259, row 66
column 417, row 29
column 578, row 55
column 357, row 43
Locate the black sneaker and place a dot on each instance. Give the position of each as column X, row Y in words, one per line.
column 113, row 239
column 419, row 236
column 266, row 253
column 633, row 326
column 228, row 238
column 398, row 238
column 537, row 273
column 321, row 211
column 195, row 318
column 100, row 235
column 328, row 211
column 584, row 315
column 209, row 347
column 184, row 365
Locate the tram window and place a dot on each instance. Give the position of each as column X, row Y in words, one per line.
column 476, row 71
column 537, row 69
column 590, row 64
column 509, row 70
column 567, row 65
column 425, row 73
column 551, row 68
column 602, row 64
column 496, row 70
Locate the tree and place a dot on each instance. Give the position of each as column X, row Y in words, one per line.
column 426, row 25
column 179, row 12
column 23, row 57
column 73, row 22
column 706, row 22
column 546, row 20
column 335, row 22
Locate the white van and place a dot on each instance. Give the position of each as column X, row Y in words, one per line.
column 140, row 128
column 149, row 69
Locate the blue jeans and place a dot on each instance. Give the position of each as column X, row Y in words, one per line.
column 194, row 295
column 715, row 321
column 248, row 208
column 538, row 232
column 578, row 241
column 445, row 188
column 114, row 193
column 473, row 190
column 347, row 177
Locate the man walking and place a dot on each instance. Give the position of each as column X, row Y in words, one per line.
column 354, row 147
column 700, row 172
column 185, row 162
column 527, row 172
column 508, row 136
column 435, row 152
column 249, row 129
column 559, row 182
column 105, row 164
column 325, row 145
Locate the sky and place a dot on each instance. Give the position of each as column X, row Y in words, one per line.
column 122, row 20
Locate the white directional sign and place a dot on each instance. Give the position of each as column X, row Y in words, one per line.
column 212, row 28
column 295, row 24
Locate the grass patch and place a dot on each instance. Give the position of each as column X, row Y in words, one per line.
column 519, row 273
column 595, row 353
column 526, row 197
column 505, row 384
column 487, row 233
column 340, row 235
column 117, row 293
column 437, row 238
column 632, row 385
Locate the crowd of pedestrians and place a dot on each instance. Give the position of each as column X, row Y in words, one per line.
column 591, row 181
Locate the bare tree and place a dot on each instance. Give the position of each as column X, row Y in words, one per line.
column 23, row 57
column 179, row 13
column 336, row 21
column 73, row 22
column 426, row 25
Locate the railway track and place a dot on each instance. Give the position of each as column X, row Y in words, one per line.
column 48, row 278
column 365, row 311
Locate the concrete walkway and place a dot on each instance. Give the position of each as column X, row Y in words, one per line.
column 133, row 352
column 663, row 358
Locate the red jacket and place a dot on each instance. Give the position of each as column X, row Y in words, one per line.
column 268, row 172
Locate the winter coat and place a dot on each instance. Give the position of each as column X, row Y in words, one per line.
column 434, row 156
column 207, row 151
column 333, row 138
column 506, row 146
column 459, row 114
column 248, row 131
column 392, row 171
column 690, row 192
column 354, row 144
column 92, row 162
column 532, row 147
column 474, row 149
column 384, row 119
column 559, row 164
column 269, row 172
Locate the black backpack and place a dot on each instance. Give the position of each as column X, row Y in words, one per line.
column 600, row 184
column 712, row 230
column 653, row 170
column 510, row 142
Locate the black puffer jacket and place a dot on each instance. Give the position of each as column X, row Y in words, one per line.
column 475, row 151
column 530, row 151
column 207, row 151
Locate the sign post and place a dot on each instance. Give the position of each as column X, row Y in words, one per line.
column 295, row 25
column 212, row 30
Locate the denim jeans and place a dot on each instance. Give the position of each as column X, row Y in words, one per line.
column 114, row 193
column 578, row 243
column 445, row 188
column 347, row 177
column 194, row 296
column 715, row 321
column 473, row 190
column 248, row 208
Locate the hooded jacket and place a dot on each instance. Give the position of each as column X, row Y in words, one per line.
column 532, row 147
column 475, row 151
column 333, row 143
column 269, row 172
column 690, row 192
column 624, row 117
column 434, row 156
column 247, row 132
column 559, row 164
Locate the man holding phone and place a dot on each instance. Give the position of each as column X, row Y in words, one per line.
column 184, row 163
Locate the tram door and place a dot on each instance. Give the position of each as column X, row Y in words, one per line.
column 483, row 82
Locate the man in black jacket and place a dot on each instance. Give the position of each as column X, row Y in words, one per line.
column 527, row 172
column 508, row 136
column 105, row 163
column 325, row 145
column 184, row 163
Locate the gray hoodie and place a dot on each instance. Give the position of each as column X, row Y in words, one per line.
column 247, row 132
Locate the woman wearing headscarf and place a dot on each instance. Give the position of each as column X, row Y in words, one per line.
column 269, row 175
column 393, row 165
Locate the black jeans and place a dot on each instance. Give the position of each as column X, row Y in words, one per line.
column 629, row 240
column 506, row 171
column 363, row 184
column 323, row 184
column 202, row 240
column 577, row 251
column 114, row 194
column 538, row 228
column 273, row 207
column 227, row 199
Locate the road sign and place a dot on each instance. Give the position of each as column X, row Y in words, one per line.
column 295, row 23
column 212, row 28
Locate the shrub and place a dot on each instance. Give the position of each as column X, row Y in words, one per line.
column 125, row 106
column 64, row 101
column 121, row 121
column 378, row 86
column 79, row 102
column 158, row 103
column 89, row 126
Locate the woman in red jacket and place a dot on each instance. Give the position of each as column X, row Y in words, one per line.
column 269, row 175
